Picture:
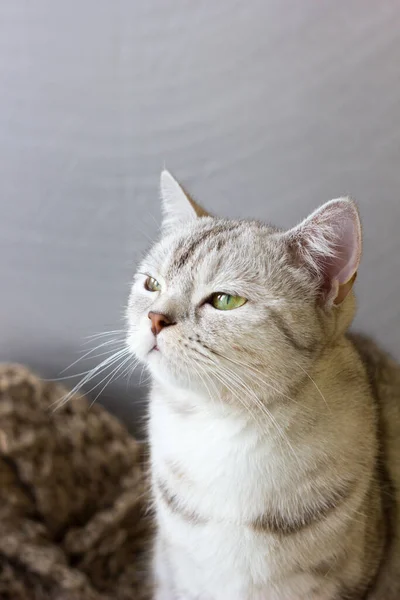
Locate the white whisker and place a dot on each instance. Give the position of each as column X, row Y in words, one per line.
column 92, row 373
column 111, row 378
column 89, row 352
column 104, row 334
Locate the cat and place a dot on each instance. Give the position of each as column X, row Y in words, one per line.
column 274, row 433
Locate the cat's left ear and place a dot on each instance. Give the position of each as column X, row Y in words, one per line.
column 177, row 204
column 329, row 242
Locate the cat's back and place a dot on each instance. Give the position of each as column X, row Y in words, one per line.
column 384, row 377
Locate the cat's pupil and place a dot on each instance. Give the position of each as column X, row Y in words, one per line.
column 224, row 300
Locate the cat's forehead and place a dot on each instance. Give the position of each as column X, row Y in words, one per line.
column 205, row 242
column 212, row 248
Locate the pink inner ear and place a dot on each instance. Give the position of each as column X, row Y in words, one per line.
column 331, row 242
column 345, row 263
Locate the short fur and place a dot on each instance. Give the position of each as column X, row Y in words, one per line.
column 275, row 436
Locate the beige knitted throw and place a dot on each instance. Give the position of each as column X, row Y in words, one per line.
column 73, row 522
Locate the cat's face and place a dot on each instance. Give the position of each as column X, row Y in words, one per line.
column 236, row 305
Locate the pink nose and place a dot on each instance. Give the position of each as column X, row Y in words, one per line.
column 159, row 321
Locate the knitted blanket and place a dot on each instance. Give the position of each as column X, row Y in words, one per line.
column 73, row 521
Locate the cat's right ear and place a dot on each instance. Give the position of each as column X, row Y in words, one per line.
column 329, row 243
column 177, row 205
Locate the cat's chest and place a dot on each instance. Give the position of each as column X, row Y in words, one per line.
column 219, row 468
column 225, row 499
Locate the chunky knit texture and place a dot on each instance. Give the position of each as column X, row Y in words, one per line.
column 73, row 522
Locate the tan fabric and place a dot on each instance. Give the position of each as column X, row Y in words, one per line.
column 73, row 524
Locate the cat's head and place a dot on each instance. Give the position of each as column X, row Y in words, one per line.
column 232, row 304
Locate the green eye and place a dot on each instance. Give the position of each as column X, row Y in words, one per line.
column 152, row 285
column 226, row 301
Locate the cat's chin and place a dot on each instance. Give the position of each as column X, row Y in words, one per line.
column 166, row 376
column 168, row 371
column 158, row 364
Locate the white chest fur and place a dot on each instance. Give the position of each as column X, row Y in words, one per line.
column 214, row 478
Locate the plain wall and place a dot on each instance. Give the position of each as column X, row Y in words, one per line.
column 263, row 108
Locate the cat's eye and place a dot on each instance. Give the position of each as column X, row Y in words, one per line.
column 152, row 285
column 226, row 301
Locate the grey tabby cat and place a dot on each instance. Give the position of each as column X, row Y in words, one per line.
column 274, row 433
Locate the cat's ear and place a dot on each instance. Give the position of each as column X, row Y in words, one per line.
column 329, row 243
column 177, row 204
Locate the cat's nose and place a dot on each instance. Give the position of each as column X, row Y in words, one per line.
column 159, row 321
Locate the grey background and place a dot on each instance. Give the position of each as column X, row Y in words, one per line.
column 263, row 108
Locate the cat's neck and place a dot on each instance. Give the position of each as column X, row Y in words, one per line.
column 189, row 428
column 298, row 425
column 259, row 411
column 208, row 452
